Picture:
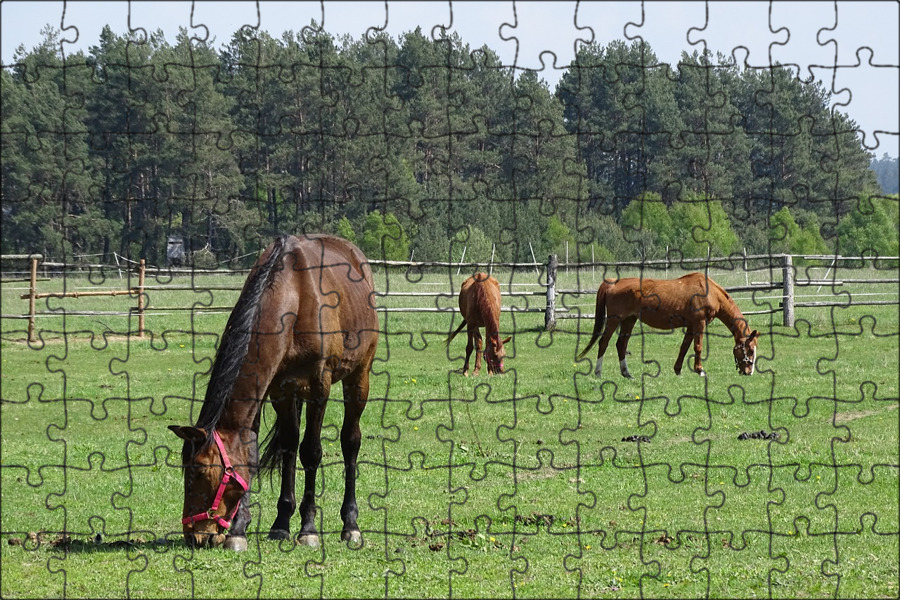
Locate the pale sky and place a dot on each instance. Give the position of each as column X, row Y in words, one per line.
column 851, row 46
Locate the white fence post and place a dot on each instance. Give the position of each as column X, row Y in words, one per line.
column 32, row 292
column 550, row 312
column 787, row 304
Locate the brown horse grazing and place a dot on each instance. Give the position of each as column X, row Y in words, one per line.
column 304, row 320
column 691, row 301
column 479, row 303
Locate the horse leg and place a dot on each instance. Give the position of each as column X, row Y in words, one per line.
column 356, row 392
column 685, row 344
column 311, row 458
column 698, row 349
column 479, row 344
column 236, row 539
column 469, row 345
column 622, row 345
column 611, row 325
column 287, row 409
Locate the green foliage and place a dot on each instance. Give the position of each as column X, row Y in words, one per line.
column 384, row 238
column 887, row 172
column 345, row 230
column 647, row 221
column 143, row 155
column 870, row 228
column 701, row 227
column 604, row 234
column 478, row 246
column 555, row 236
column 787, row 237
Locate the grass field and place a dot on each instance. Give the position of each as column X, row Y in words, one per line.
column 513, row 485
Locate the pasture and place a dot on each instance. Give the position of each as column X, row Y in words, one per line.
column 512, row 485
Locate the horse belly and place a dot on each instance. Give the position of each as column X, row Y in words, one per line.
column 662, row 320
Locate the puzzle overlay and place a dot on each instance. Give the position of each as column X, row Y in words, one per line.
column 304, row 314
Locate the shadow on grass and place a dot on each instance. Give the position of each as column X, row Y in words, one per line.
column 63, row 542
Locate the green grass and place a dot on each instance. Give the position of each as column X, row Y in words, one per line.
column 470, row 487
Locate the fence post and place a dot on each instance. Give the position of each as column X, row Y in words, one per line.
column 787, row 304
column 32, row 290
column 550, row 312
column 141, row 270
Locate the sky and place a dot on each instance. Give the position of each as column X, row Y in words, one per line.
column 852, row 47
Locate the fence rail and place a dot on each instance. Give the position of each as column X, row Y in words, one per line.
column 550, row 292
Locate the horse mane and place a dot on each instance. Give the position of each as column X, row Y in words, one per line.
column 236, row 339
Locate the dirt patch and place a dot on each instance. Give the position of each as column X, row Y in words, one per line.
column 532, row 474
column 846, row 417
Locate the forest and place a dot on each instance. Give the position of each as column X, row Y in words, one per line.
column 418, row 148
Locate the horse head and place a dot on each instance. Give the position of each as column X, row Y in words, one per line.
column 213, row 485
column 745, row 353
column 495, row 353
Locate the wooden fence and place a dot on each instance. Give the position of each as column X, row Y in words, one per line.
column 551, row 293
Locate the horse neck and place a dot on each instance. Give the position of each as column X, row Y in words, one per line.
column 231, row 399
column 236, row 406
column 731, row 315
column 242, row 406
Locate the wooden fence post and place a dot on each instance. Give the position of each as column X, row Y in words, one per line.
column 550, row 312
column 141, row 270
column 787, row 304
column 32, row 291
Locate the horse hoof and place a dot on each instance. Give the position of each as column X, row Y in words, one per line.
column 308, row 539
column 701, row 373
column 236, row 543
column 279, row 534
column 353, row 537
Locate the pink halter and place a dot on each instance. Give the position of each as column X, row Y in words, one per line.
column 229, row 474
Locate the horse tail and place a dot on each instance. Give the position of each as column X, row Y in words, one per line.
column 453, row 335
column 599, row 317
column 236, row 338
column 273, row 445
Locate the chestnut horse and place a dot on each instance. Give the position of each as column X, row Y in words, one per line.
column 691, row 301
column 479, row 303
column 304, row 320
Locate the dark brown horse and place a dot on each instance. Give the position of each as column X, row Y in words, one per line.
column 304, row 320
column 691, row 301
column 479, row 303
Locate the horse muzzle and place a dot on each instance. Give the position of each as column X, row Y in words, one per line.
column 746, row 367
column 204, row 539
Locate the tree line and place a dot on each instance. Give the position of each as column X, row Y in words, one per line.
column 420, row 147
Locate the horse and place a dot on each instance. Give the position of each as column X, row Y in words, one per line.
column 305, row 319
column 691, row 301
column 479, row 304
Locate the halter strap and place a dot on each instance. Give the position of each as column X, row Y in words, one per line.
column 230, row 474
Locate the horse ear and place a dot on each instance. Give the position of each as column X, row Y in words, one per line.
column 753, row 335
column 506, row 341
column 189, row 434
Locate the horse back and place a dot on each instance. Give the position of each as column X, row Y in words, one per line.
column 320, row 306
column 479, row 300
column 666, row 303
